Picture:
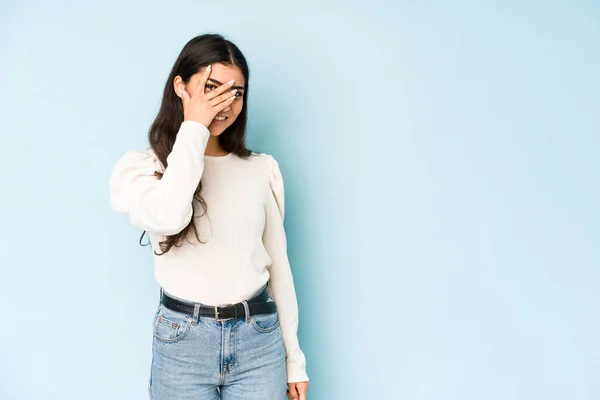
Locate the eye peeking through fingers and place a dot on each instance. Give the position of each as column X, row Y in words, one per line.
column 208, row 87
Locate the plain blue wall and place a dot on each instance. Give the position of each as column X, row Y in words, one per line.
column 441, row 169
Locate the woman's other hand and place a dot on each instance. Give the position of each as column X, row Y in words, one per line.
column 297, row 390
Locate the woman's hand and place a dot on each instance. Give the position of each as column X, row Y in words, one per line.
column 297, row 390
column 203, row 107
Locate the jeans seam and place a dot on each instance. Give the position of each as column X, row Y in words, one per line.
column 150, row 377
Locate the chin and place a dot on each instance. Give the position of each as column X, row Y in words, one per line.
column 215, row 132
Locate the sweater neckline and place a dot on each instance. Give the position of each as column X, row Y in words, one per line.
column 226, row 156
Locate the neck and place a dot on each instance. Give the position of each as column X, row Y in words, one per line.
column 213, row 148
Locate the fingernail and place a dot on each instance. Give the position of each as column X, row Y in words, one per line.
column 208, row 68
column 230, row 82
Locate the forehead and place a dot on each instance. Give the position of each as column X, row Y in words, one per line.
column 224, row 73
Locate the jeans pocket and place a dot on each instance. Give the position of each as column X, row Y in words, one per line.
column 170, row 326
column 265, row 323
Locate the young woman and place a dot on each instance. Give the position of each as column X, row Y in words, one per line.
column 226, row 324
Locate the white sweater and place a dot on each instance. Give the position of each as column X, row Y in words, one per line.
column 245, row 241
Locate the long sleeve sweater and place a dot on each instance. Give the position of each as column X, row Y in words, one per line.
column 243, row 233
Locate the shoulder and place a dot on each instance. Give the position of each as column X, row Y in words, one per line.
column 269, row 164
column 138, row 160
column 275, row 178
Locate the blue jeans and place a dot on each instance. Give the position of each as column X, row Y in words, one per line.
column 236, row 359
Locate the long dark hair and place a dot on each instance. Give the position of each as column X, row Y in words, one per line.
column 199, row 52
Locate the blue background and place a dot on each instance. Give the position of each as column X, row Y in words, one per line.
column 441, row 169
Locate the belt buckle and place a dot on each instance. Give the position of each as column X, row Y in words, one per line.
column 217, row 319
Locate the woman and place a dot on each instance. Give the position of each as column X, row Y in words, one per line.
column 226, row 325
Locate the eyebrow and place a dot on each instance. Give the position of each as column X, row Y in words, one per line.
column 219, row 83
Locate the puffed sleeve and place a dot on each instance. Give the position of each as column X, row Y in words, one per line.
column 281, row 283
column 276, row 184
column 162, row 206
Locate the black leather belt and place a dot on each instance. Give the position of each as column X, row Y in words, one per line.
column 256, row 305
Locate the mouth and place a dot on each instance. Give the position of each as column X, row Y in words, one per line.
column 220, row 118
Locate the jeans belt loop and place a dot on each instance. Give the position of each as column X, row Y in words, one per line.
column 246, row 310
column 196, row 314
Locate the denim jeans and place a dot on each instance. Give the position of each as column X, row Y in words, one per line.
column 236, row 359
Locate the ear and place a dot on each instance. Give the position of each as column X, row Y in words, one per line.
column 178, row 81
